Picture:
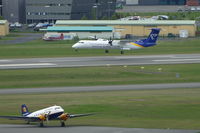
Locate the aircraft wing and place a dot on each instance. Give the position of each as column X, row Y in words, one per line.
column 21, row 118
column 79, row 115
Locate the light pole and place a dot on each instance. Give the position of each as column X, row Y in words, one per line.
column 47, row 6
column 95, row 6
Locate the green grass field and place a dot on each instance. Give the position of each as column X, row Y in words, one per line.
column 172, row 108
column 41, row 48
column 108, row 75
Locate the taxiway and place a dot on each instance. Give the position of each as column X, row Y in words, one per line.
column 84, row 129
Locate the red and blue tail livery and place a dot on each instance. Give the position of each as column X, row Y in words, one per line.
column 24, row 110
column 150, row 41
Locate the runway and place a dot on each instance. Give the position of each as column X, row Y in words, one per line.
column 99, row 88
column 98, row 61
column 84, row 129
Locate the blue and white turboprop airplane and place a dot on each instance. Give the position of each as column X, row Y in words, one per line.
column 115, row 44
column 46, row 114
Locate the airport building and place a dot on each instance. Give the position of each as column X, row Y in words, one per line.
column 4, row 28
column 52, row 10
column 139, row 27
column 0, row 7
column 82, row 31
column 29, row 11
column 159, row 2
column 13, row 10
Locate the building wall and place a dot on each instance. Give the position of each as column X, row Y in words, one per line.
column 13, row 10
column 4, row 29
column 92, row 8
column 143, row 30
column 48, row 10
column 156, row 2
column 0, row 8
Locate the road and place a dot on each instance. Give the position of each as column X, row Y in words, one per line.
column 99, row 88
column 84, row 129
column 98, row 61
column 26, row 37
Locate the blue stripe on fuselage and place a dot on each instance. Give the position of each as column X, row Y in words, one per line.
column 54, row 116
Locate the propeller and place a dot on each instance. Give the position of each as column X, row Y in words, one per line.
column 47, row 116
column 110, row 41
column 64, row 116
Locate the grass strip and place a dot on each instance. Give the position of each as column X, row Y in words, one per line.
column 108, row 75
column 166, row 109
column 40, row 48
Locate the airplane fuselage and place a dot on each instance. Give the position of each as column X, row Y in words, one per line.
column 53, row 112
column 104, row 44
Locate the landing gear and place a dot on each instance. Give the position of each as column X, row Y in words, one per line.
column 41, row 124
column 28, row 122
column 62, row 124
column 122, row 52
column 76, row 50
column 106, row 51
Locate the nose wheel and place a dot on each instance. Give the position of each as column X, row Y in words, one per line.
column 106, row 51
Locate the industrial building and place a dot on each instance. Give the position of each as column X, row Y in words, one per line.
column 51, row 10
column 14, row 10
column 4, row 28
column 0, row 7
column 139, row 27
column 34, row 11
column 160, row 2
column 82, row 31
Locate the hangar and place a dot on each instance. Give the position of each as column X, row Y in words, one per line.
column 4, row 27
column 82, row 31
column 137, row 27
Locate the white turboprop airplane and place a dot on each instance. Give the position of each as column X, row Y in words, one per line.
column 46, row 114
column 115, row 44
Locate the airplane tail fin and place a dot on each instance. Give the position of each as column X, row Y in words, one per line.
column 24, row 110
column 151, row 39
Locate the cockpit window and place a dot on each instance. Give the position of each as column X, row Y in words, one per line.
column 57, row 108
column 81, row 42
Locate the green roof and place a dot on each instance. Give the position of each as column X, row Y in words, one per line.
column 3, row 21
column 78, row 29
column 125, row 22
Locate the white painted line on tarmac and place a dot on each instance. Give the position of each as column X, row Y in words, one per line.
column 177, row 60
column 33, row 64
column 5, row 60
column 61, row 61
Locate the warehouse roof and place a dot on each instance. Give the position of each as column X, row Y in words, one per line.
column 79, row 29
column 125, row 22
column 3, row 21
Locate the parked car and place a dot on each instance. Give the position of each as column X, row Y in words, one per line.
column 18, row 25
column 32, row 25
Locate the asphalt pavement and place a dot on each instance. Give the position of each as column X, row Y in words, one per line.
column 25, row 37
column 84, row 129
column 99, row 88
column 98, row 61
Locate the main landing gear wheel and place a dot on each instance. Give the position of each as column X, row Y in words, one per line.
column 106, row 51
column 41, row 124
column 122, row 52
column 62, row 124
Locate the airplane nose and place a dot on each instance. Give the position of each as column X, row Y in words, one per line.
column 74, row 46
